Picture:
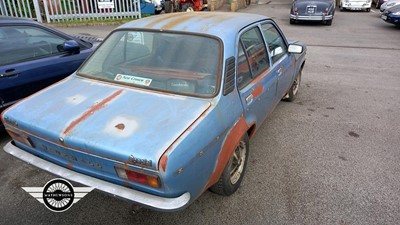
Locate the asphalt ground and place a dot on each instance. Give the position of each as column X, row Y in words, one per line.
column 331, row 157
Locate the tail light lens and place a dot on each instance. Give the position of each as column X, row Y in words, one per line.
column 19, row 136
column 134, row 176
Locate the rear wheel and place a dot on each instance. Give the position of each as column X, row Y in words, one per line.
column 233, row 173
column 328, row 22
column 369, row 9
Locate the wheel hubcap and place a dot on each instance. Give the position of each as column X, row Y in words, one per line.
column 296, row 84
column 238, row 160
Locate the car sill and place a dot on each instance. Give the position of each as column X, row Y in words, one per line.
column 141, row 198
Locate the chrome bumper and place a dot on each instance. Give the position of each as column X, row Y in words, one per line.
column 311, row 18
column 141, row 198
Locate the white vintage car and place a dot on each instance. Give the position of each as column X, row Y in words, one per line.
column 355, row 5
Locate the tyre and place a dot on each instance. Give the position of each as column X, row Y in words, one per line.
column 368, row 10
column 247, row 3
column 187, row 7
column 233, row 173
column 167, row 6
column 291, row 95
column 328, row 22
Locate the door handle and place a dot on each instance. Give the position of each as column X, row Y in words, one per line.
column 9, row 73
column 280, row 71
column 249, row 99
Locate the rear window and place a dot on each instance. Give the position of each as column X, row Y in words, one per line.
column 179, row 63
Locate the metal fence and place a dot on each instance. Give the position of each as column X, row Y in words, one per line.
column 62, row 10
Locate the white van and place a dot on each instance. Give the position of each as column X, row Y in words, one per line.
column 355, row 5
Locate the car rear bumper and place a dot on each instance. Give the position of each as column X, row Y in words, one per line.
column 141, row 198
column 356, row 6
column 311, row 18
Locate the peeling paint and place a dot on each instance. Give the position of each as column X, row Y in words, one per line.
column 232, row 140
column 90, row 112
column 76, row 99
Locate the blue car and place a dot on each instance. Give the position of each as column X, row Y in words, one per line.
column 33, row 56
column 164, row 109
column 392, row 15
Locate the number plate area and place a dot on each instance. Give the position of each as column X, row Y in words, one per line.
column 311, row 9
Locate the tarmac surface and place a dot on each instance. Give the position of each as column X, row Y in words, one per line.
column 331, row 157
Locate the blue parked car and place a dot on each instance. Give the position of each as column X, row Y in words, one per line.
column 392, row 15
column 164, row 108
column 33, row 56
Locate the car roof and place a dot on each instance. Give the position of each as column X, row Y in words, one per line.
column 9, row 19
column 222, row 24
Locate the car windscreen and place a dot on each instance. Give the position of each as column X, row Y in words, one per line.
column 171, row 62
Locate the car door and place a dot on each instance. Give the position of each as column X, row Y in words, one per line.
column 256, row 85
column 282, row 61
column 31, row 59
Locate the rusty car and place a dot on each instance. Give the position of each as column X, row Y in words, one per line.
column 164, row 109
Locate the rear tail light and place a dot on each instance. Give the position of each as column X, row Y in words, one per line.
column 134, row 176
column 20, row 137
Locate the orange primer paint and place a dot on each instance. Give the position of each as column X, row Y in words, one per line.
column 89, row 112
column 232, row 140
column 163, row 162
column 257, row 91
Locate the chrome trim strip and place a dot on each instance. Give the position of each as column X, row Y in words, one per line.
column 328, row 17
column 147, row 200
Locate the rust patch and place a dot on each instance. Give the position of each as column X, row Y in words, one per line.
column 163, row 162
column 232, row 140
column 69, row 165
column 120, row 126
column 90, row 112
column 257, row 91
column 176, row 21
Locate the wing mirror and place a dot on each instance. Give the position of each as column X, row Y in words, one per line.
column 297, row 49
column 71, row 46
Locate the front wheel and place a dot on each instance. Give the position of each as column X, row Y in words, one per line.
column 168, row 7
column 233, row 173
column 291, row 95
column 187, row 7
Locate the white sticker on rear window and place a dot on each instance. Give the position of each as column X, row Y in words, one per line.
column 133, row 79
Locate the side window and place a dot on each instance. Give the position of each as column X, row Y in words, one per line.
column 255, row 50
column 276, row 44
column 243, row 69
column 21, row 43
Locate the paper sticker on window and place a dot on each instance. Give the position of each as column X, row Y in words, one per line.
column 133, row 79
column 135, row 37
